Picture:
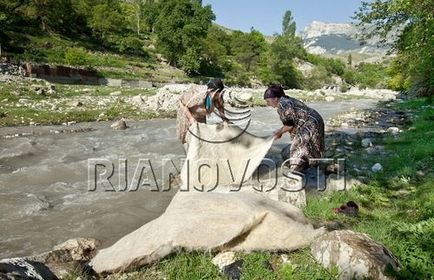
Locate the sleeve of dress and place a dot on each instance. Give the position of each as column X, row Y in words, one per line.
column 286, row 115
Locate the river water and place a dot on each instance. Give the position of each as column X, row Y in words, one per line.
column 48, row 193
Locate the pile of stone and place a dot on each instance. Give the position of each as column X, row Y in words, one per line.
column 11, row 69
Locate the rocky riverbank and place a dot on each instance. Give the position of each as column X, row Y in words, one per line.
column 30, row 101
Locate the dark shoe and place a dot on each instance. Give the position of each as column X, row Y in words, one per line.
column 350, row 209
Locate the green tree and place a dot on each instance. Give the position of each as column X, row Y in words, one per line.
column 106, row 18
column 279, row 67
column 215, row 52
column 150, row 13
column 247, row 48
column 288, row 25
column 350, row 60
column 412, row 23
column 180, row 27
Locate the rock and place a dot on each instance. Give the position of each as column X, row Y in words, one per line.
column 137, row 100
column 116, row 93
column 74, row 103
column 120, row 124
column 341, row 183
column 366, row 142
column 68, row 255
column 420, row 173
column 223, row 259
column 376, row 167
column 51, row 92
column 329, row 99
column 375, row 150
column 21, row 269
column 356, row 255
column 393, row 130
column 229, row 221
column 286, row 190
column 164, row 100
column 76, row 249
column 233, row 270
column 284, row 259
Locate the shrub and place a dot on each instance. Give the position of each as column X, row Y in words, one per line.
column 317, row 78
column 76, row 56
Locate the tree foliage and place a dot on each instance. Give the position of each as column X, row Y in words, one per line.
column 280, row 66
column 180, row 27
column 412, row 23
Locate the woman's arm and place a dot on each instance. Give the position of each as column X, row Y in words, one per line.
column 187, row 112
column 278, row 133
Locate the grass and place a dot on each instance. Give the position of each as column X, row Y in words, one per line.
column 397, row 204
column 58, row 50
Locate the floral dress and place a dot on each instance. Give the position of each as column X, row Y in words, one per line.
column 307, row 135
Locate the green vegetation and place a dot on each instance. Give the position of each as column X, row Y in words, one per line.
column 161, row 41
column 413, row 24
column 135, row 39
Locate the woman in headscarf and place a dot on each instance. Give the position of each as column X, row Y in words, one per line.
column 304, row 124
column 195, row 104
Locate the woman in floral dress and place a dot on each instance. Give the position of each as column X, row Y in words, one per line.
column 195, row 104
column 304, row 124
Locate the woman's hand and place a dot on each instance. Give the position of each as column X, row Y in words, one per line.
column 278, row 134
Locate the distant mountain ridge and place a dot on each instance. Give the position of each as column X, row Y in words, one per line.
column 336, row 39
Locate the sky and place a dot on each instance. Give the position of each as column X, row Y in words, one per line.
column 266, row 15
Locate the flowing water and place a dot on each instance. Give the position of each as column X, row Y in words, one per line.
column 47, row 190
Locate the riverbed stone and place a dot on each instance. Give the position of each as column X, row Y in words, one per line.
column 356, row 255
column 393, row 130
column 223, row 259
column 21, row 269
column 367, row 142
column 376, row 167
column 68, row 255
column 74, row 103
column 115, row 93
column 119, row 125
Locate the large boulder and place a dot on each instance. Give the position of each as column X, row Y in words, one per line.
column 210, row 221
column 356, row 255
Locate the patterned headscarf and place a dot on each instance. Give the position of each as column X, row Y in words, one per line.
column 215, row 84
column 274, row 91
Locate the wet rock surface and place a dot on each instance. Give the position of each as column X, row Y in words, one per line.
column 356, row 255
column 21, row 269
column 64, row 258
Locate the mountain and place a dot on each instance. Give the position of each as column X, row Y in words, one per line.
column 339, row 39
